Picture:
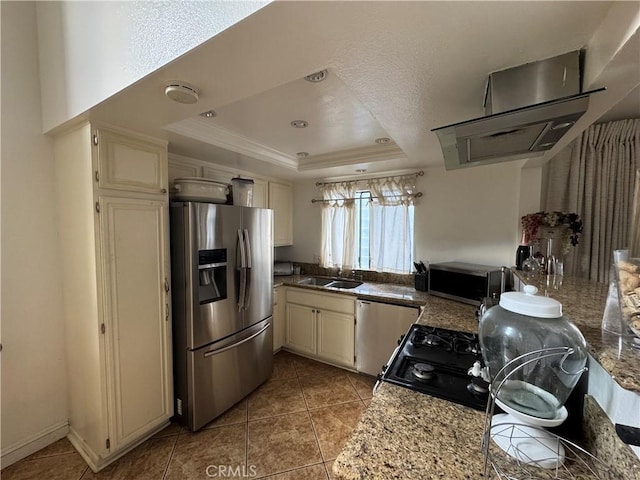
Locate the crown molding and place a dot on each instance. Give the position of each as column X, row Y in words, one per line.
column 202, row 130
column 352, row 156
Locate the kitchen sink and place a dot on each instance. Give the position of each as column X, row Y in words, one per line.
column 321, row 282
column 344, row 284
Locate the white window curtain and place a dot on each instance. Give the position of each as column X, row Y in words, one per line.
column 594, row 177
column 391, row 224
column 338, row 225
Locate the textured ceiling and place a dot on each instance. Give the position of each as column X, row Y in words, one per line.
column 396, row 69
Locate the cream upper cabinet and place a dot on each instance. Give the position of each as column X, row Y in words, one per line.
column 132, row 163
column 321, row 325
column 217, row 175
column 182, row 169
column 281, row 201
column 115, row 274
column 260, row 193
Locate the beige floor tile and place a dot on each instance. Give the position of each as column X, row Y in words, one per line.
column 307, row 367
column 236, row 414
column 322, row 391
column 314, row 472
column 282, row 443
column 61, row 447
column 145, row 462
column 69, row 466
column 276, row 397
column 211, row 451
column 329, row 467
column 366, row 402
column 334, row 425
column 283, row 365
column 363, row 384
column 172, row 430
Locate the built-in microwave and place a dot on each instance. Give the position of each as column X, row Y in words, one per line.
column 467, row 282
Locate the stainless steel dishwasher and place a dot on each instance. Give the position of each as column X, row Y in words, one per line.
column 378, row 327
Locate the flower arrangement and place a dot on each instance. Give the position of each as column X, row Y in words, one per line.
column 571, row 221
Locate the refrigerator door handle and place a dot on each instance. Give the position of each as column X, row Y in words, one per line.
column 229, row 347
column 243, row 271
column 243, row 255
column 248, row 247
column 247, row 278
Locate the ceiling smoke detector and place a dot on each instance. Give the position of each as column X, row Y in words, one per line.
column 383, row 140
column 208, row 114
column 299, row 124
column 302, row 154
column 181, row 92
column 316, row 77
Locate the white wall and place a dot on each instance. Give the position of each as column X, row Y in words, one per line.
column 91, row 50
column 33, row 396
column 471, row 214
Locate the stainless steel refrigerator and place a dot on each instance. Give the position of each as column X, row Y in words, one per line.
column 222, row 294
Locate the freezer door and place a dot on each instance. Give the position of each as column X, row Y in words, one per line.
column 222, row 374
column 378, row 328
column 258, row 242
column 213, row 276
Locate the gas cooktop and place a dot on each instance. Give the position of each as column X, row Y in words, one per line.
column 435, row 361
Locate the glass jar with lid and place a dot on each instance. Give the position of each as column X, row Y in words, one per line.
column 538, row 384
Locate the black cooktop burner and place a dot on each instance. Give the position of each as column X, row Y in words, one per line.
column 435, row 361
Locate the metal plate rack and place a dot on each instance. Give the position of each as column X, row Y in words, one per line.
column 578, row 463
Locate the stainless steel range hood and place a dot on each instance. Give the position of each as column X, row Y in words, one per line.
column 528, row 109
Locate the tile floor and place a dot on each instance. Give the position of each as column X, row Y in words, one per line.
column 291, row 428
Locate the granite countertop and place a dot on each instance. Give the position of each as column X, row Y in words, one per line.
column 404, row 294
column 583, row 302
column 408, row 435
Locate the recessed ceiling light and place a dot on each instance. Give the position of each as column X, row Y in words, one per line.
column 383, row 140
column 316, row 77
column 208, row 114
column 181, row 92
column 302, row 154
column 300, row 124
column 361, row 170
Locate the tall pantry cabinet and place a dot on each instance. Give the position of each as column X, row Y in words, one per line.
column 112, row 214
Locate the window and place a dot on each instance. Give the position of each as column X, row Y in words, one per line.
column 369, row 225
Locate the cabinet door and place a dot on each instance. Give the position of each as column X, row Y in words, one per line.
column 278, row 319
column 281, row 201
column 260, row 193
column 134, row 254
column 129, row 163
column 301, row 328
column 182, row 169
column 217, row 175
column 336, row 337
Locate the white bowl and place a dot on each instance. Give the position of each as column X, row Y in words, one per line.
column 195, row 189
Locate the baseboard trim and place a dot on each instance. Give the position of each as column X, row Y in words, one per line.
column 32, row 444
column 97, row 463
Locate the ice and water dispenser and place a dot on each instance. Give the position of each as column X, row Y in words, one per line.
column 212, row 270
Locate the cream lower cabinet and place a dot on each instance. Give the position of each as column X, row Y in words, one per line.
column 279, row 323
column 115, row 274
column 321, row 325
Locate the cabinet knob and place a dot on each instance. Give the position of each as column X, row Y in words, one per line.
column 164, row 190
